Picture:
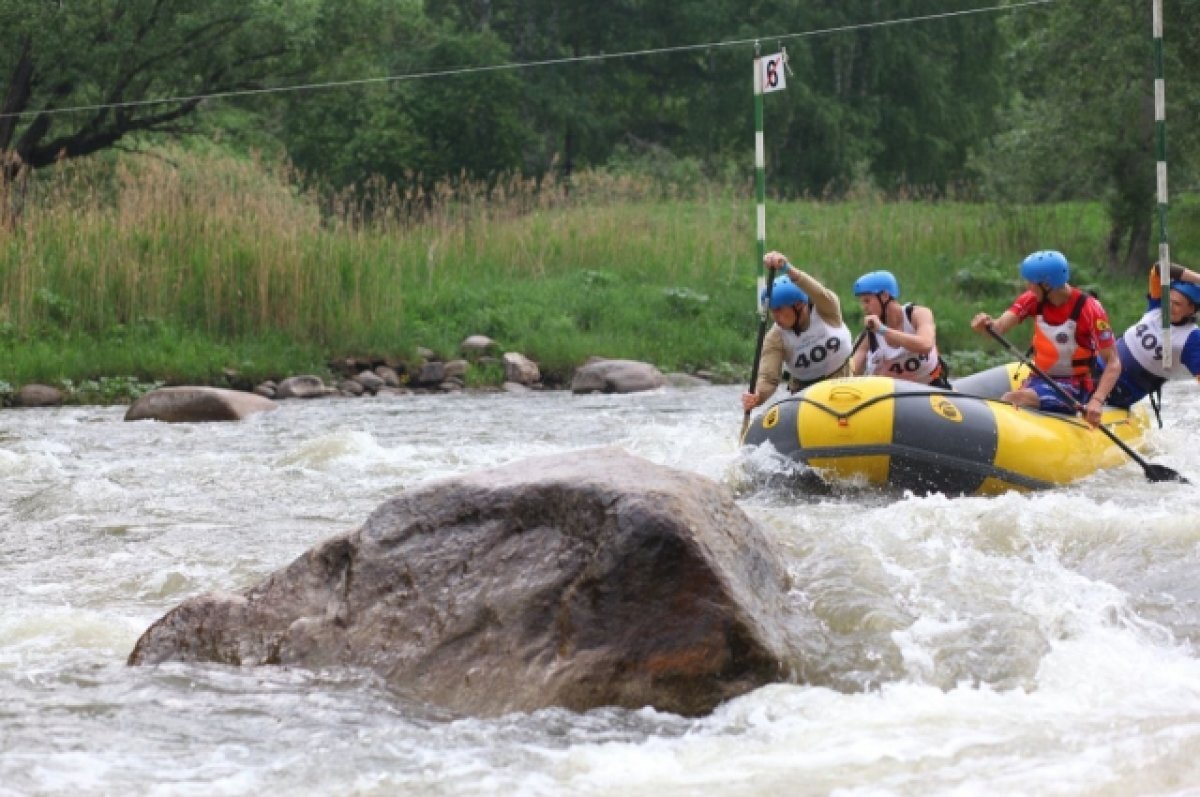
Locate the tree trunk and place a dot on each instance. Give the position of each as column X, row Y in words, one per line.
column 568, row 159
column 16, row 99
column 13, row 184
column 1137, row 257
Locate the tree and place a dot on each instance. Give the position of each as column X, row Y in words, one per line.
column 409, row 133
column 904, row 103
column 106, row 57
column 1081, row 124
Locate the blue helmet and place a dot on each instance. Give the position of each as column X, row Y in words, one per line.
column 1192, row 292
column 877, row 282
column 785, row 293
column 1046, row 267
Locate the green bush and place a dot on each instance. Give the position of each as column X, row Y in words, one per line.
column 485, row 375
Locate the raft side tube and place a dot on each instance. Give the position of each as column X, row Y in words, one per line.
column 886, row 432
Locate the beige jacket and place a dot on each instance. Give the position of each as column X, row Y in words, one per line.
column 770, row 364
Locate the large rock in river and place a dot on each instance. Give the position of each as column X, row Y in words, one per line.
column 191, row 404
column 588, row 579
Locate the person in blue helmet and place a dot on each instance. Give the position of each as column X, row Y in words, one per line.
column 901, row 339
column 1071, row 330
column 809, row 338
column 1140, row 348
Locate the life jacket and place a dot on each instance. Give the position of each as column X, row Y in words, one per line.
column 901, row 363
column 815, row 353
column 1055, row 348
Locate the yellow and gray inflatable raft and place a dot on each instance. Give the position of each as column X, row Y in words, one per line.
column 876, row 431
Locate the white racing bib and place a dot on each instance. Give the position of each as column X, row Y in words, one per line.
column 817, row 351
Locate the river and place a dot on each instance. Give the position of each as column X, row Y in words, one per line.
column 1034, row 644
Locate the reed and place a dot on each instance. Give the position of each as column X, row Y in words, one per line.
column 178, row 264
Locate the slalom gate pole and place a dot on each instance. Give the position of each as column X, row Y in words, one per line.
column 1160, row 147
column 760, row 190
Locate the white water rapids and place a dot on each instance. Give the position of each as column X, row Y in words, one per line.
column 1034, row 644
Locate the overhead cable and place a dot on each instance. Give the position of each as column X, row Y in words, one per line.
column 513, row 66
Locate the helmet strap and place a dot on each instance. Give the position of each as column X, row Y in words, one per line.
column 796, row 328
column 883, row 306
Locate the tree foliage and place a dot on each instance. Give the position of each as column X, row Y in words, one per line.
column 1038, row 103
column 903, row 104
column 1081, row 122
column 110, row 56
column 406, row 132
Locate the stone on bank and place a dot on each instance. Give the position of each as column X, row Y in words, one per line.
column 616, row 376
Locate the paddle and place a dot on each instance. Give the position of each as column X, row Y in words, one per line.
column 854, row 349
column 762, row 333
column 1155, row 473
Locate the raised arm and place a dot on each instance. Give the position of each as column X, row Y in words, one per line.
column 825, row 301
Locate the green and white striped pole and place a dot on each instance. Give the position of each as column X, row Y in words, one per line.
column 760, row 161
column 1160, row 146
column 760, row 190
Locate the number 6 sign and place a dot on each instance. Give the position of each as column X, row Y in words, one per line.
column 773, row 78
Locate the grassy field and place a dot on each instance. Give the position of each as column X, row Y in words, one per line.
column 179, row 267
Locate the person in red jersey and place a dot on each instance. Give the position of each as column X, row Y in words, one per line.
column 1071, row 330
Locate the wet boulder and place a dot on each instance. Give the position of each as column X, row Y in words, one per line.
column 389, row 376
column 305, row 386
column 477, row 346
column 520, row 369
column 370, row 381
column 38, row 396
column 193, row 404
column 431, row 374
column 580, row 580
column 616, row 376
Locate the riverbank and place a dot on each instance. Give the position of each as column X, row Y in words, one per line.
column 192, row 269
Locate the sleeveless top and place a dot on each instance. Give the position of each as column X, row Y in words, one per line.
column 1144, row 344
column 817, row 352
column 900, row 363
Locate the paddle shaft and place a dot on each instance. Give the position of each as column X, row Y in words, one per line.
column 758, row 347
column 1146, row 466
column 854, row 349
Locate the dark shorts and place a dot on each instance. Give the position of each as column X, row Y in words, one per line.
column 1048, row 398
column 1124, row 395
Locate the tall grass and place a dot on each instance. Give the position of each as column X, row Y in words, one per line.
column 227, row 263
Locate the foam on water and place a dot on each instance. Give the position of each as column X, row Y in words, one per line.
column 1023, row 644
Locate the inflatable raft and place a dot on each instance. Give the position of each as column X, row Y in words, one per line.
column 876, row 431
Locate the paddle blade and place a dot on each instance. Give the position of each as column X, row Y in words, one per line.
column 1161, row 473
